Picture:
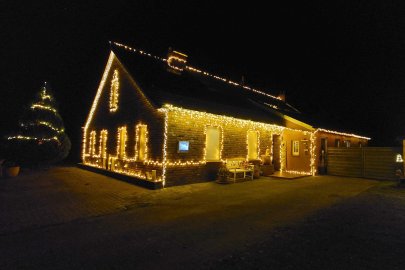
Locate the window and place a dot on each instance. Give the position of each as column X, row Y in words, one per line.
column 253, row 144
column 115, row 84
column 92, row 145
column 337, row 143
column 346, row 143
column 103, row 144
column 122, row 142
column 295, row 148
column 212, row 143
column 141, row 142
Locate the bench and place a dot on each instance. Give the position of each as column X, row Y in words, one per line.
column 239, row 166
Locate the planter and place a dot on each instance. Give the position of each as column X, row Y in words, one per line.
column 321, row 170
column 12, row 171
column 267, row 169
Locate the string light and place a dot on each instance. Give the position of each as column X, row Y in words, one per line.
column 122, row 142
column 43, row 123
column 39, row 106
column 172, row 58
column 44, row 95
column 121, row 163
column 114, row 92
column 257, row 143
column 138, row 145
column 204, row 160
column 313, row 153
column 193, row 69
column 164, row 165
column 344, row 134
column 95, row 102
column 20, row 137
column 92, row 146
column 103, row 143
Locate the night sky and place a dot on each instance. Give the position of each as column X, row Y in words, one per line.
column 341, row 63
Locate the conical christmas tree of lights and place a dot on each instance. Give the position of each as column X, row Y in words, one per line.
column 41, row 137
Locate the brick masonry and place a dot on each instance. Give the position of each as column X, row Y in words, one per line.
column 135, row 108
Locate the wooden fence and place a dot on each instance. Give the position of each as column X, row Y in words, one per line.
column 368, row 162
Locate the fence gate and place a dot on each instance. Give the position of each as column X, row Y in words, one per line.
column 368, row 162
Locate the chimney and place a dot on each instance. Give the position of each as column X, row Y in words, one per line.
column 243, row 80
column 281, row 95
column 176, row 61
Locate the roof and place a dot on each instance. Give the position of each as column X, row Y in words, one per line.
column 198, row 90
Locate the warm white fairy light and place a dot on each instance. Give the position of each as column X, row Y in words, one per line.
column 103, row 143
column 39, row 106
column 95, row 102
column 114, row 92
column 298, row 172
column 271, row 148
column 20, row 137
column 139, row 128
column 172, row 58
column 92, row 146
column 193, row 69
column 122, row 163
column 44, row 123
column 258, row 144
column 222, row 119
column 313, row 153
column 44, row 95
column 164, row 165
column 344, row 134
column 282, row 153
column 121, row 142
column 51, row 126
column 221, row 146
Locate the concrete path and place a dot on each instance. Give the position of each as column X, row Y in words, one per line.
column 67, row 218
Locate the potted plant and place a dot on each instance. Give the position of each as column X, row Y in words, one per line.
column 223, row 174
column 12, row 168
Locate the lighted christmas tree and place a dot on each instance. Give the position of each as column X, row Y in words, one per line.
column 41, row 138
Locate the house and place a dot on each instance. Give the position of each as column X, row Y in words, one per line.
column 161, row 120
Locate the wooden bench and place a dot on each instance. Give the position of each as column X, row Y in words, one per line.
column 239, row 166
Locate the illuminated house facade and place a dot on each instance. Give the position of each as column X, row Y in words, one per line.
column 163, row 121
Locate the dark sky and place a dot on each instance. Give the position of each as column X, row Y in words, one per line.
column 343, row 62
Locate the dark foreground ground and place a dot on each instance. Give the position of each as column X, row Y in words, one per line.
column 67, row 218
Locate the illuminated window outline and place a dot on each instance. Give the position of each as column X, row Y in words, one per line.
column 92, row 143
column 141, row 150
column 220, row 142
column 121, row 142
column 114, row 94
column 257, row 150
column 103, row 143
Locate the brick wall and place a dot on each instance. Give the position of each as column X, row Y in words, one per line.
column 133, row 108
column 189, row 127
column 302, row 162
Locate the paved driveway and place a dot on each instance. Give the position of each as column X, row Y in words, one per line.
column 68, row 218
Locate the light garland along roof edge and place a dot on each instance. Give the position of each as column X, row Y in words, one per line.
column 250, row 104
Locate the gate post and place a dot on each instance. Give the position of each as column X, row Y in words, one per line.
column 403, row 153
column 363, row 161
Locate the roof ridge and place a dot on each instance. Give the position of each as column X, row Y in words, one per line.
column 199, row 71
